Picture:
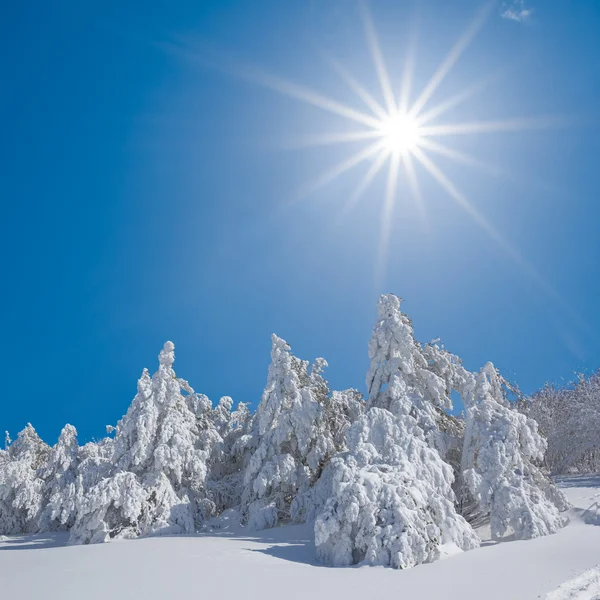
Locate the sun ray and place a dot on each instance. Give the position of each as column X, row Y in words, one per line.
column 458, row 156
column 358, row 89
column 305, row 94
column 362, row 187
column 415, row 188
column 407, row 78
column 462, row 201
column 451, row 59
column 386, row 217
column 382, row 73
column 454, row 101
column 338, row 169
column 507, row 125
column 494, row 234
column 259, row 76
column 328, row 139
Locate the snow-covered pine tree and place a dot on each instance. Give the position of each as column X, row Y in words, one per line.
column 60, row 483
column 225, row 478
column 291, row 437
column 390, row 495
column 341, row 410
column 390, row 498
column 501, row 449
column 400, row 378
column 21, row 484
column 162, row 450
column 457, row 379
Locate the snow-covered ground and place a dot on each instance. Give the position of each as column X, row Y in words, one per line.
column 280, row 563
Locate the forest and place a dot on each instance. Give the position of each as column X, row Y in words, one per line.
column 388, row 479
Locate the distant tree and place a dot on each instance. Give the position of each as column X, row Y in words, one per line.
column 569, row 419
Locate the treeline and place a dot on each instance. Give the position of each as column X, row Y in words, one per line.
column 388, row 479
column 569, row 419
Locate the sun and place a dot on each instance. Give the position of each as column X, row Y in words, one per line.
column 400, row 133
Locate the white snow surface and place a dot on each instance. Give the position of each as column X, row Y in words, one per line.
column 231, row 562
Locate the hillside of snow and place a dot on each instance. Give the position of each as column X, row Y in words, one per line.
column 280, row 562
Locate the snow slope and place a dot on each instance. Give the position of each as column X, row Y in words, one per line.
column 280, row 562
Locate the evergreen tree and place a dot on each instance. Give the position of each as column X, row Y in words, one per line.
column 292, row 441
column 21, row 484
column 162, row 450
column 501, row 449
column 60, row 482
column 389, row 498
column 400, row 378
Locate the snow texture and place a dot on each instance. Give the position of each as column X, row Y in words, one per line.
column 233, row 563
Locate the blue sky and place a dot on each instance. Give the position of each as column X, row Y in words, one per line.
column 146, row 189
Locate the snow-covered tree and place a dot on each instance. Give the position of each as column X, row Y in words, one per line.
column 292, row 440
column 502, row 448
column 390, row 498
column 569, row 419
column 225, row 478
column 162, row 450
column 341, row 410
column 21, row 484
column 400, row 378
column 60, row 483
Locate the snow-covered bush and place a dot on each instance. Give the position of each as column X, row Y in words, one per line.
column 502, row 448
column 390, row 498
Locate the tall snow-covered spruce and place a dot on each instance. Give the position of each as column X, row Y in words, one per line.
column 390, row 495
column 162, row 450
column 60, row 483
column 21, row 483
column 293, row 440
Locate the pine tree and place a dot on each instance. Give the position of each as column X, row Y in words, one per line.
column 501, row 449
column 400, row 378
column 60, row 483
column 389, row 498
column 21, row 484
column 162, row 450
column 292, row 443
column 225, row 478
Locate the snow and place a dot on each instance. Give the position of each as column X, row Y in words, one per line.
column 231, row 563
column 583, row 587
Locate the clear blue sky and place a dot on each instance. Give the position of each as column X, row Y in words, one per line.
column 143, row 199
